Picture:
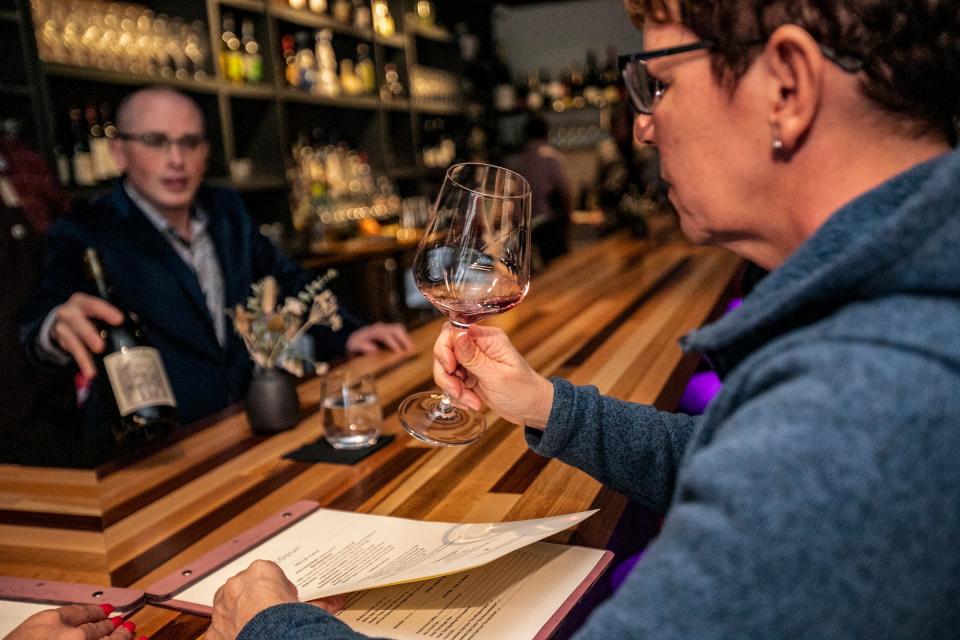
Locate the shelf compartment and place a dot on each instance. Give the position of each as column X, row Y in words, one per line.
column 437, row 109
column 316, row 21
column 397, row 41
column 129, row 79
column 252, row 6
column 438, row 34
column 7, row 88
column 261, row 91
column 340, row 102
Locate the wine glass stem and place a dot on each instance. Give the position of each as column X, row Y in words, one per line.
column 446, row 409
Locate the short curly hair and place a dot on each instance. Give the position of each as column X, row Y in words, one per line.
column 911, row 50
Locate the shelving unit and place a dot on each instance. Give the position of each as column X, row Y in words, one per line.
column 256, row 122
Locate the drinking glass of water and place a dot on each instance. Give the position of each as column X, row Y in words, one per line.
column 351, row 410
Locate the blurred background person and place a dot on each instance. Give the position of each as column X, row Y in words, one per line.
column 541, row 164
column 38, row 409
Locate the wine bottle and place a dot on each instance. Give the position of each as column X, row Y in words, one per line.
column 252, row 60
column 131, row 378
column 81, row 162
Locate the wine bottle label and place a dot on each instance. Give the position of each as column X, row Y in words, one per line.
column 138, row 379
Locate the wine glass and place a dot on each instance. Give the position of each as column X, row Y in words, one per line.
column 473, row 262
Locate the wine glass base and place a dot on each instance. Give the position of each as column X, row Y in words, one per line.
column 421, row 417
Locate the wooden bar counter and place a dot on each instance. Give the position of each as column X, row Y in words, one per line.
column 609, row 315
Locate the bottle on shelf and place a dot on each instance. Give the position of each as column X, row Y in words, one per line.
column 425, row 15
column 534, row 92
column 81, row 163
column 350, row 82
column 365, row 68
column 342, row 11
column 110, row 133
column 306, row 62
column 131, row 378
column 297, row 4
column 99, row 150
column 592, row 87
column 318, row 6
column 504, row 94
column 231, row 59
column 291, row 70
column 574, row 96
column 252, row 58
column 391, row 89
column 610, row 77
column 362, row 18
column 328, row 82
column 383, row 22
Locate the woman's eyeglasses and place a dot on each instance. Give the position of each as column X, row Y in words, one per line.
column 646, row 90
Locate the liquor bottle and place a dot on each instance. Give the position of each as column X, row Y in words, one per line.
column 342, row 11
column 291, row 71
column 110, row 133
column 350, row 82
column 592, row 91
column 328, row 84
column 391, row 88
column 610, row 78
column 99, row 150
column 131, row 378
column 306, row 62
column 81, row 163
column 297, row 4
column 231, row 60
column 366, row 69
column 504, row 94
column 252, row 60
column 534, row 92
column 318, row 6
column 383, row 22
column 362, row 19
column 425, row 13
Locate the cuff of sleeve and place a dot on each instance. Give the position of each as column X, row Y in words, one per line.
column 282, row 620
column 555, row 436
column 45, row 348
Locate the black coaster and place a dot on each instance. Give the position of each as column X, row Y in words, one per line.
column 321, row 451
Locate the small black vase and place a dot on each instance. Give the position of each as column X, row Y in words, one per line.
column 272, row 403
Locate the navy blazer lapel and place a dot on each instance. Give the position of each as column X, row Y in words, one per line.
column 149, row 241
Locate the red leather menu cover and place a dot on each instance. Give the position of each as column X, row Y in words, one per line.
column 163, row 592
column 59, row 593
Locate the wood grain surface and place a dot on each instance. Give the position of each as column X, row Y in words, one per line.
column 608, row 315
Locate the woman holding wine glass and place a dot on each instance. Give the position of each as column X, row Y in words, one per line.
column 472, row 263
column 817, row 495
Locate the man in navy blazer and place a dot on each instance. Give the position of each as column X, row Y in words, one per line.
column 177, row 254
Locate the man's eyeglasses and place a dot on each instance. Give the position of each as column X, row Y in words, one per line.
column 160, row 142
column 645, row 90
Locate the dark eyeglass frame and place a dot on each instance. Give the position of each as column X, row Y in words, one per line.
column 850, row 64
column 156, row 141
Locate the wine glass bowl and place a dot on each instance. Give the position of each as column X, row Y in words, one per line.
column 473, row 262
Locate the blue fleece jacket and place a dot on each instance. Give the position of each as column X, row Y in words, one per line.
column 819, row 495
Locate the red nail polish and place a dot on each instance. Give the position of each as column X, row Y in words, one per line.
column 107, row 608
column 117, row 621
column 130, row 626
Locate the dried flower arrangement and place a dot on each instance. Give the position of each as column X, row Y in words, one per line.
column 271, row 332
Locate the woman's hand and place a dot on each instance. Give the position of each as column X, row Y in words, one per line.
column 258, row 587
column 74, row 622
column 481, row 366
